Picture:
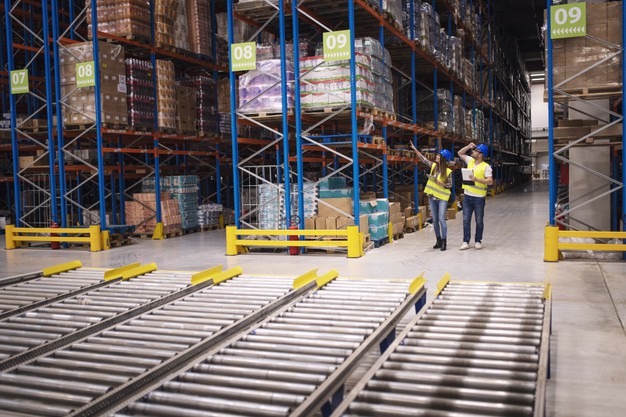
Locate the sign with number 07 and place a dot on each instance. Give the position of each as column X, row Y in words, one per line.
column 337, row 45
column 568, row 21
column 243, row 56
column 19, row 81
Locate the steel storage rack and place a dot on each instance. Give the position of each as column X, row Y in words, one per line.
column 572, row 213
column 311, row 144
column 97, row 163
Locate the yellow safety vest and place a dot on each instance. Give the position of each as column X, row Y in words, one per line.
column 479, row 172
column 436, row 190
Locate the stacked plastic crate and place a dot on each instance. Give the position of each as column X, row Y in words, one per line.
column 184, row 189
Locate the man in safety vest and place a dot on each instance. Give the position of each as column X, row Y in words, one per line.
column 475, row 192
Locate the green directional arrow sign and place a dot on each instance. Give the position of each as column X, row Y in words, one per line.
column 337, row 45
column 19, row 81
column 568, row 21
column 243, row 56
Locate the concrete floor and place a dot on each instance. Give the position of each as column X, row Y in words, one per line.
column 589, row 297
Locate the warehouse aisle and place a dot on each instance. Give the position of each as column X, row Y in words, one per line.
column 588, row 340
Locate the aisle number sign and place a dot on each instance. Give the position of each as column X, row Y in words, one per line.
column 568, row 20
column 243, row 56
column 337, row 45
column 19, row 81
column 85, row 74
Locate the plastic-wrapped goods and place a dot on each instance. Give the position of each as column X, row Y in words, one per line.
column 164, row 15
column 475, row 125
column 429, row 29
column 130, row 18
column 206, row 114
column 225, row 124
column 184, row 189
column 406, row 18
column 140, row 93
column 166, row 91
column 186, row 108
column 142, row 213
column 260, row 89
column 81, row 104
column 181, row 24
column 209, row 214
column 459, row 116
column 456, row 56
column 199, row 17
column 241, row 30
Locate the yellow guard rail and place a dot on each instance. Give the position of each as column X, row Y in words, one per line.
column 553, row 246
column 353, row 239
column 97, row 240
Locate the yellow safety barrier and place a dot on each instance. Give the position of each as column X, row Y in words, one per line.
column 553, row 245
column 91, row 235
column 57, row 269
column 352, row 241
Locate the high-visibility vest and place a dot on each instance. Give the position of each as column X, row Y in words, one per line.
column 436, row 190
column 479, row 172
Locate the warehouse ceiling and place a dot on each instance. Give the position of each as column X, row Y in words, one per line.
column 522, row 20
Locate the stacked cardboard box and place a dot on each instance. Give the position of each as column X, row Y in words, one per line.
column 199, row 19
column 396, row 218
column 377, row 212
column 186, row 109
column 142, row 213
column 206, row 115
column 181, row 31
column 166, row 91
column 81, row 101
column 573, row 55
column 127, row 18
column 164, row 16
column 184, row 190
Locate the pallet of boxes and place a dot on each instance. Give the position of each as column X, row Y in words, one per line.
column 334, row 208
column 141, row 213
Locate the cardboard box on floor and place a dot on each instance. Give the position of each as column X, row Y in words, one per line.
column 338, row 206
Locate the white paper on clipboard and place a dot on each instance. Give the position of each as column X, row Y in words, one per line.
column 466, row 172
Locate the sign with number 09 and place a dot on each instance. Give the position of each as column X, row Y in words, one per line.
column 337, row 45
column 568, row 21
column 243, row 56
column 85, row 74
column 19, row 81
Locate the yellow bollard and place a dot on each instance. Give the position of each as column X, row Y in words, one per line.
column 551, row 244
column 105, row 238
column 231, row 237
column 95, row 240
column 158, row 232
column 354, row 241
column 8, row 231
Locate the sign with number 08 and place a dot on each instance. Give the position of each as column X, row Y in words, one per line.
column 337, row 45
column 568, row 21
column 85, row 74
column 19, row 81
column 243, row 56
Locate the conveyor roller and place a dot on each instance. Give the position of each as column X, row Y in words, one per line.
column 285, row 361
column 477, row 350
column 104, row 361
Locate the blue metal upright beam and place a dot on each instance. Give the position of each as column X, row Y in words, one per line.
column 285, row 124
column 51, row 148
column 98, row 108
column 59, row 112
column 385, row 167
column 14, row 145
column 414, row 107
column 297, row 109
column 551, row 160
column 623, row 131
column 155, row 134
column 233, row 115
column 353, row 119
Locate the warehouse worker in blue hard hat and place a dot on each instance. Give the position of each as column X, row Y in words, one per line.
column 438, row 188
column 475, row 192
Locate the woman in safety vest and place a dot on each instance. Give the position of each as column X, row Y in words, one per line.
column 438, row 188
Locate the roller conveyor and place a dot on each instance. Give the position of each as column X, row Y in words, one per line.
column 477, row 350
column 24, row 335
column 8, row 281
column 70, row 378
column 33, row 293
column 297, row 358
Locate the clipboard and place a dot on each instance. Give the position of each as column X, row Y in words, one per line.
column 466, row 172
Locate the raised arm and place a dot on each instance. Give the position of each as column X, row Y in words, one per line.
column 420, row 156
column 464, row 150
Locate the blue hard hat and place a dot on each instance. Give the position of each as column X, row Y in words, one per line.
column 446, row 154
column 484, row 149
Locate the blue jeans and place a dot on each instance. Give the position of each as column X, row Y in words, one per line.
column 438, row 210
column 473, row 205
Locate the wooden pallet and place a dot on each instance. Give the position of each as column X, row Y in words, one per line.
column 590, row 92
column 209, row 227
column 117, row 240
column 397, row 236
column 380, row 242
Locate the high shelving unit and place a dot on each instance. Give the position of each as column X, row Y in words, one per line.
column 65, row 182
column 335, row 141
